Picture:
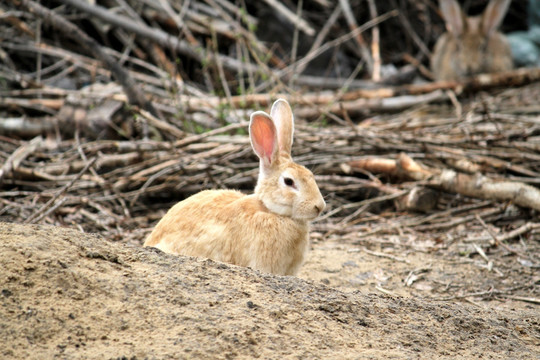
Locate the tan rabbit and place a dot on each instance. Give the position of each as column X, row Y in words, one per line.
column 267, row 230
column 471, row 45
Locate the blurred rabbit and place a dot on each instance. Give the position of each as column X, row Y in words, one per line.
column 471, row 45
column 268, row 230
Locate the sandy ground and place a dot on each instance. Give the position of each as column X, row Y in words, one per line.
column 69, row 295
column 442, row 275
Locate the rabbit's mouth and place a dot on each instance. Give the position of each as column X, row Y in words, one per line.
column 306, row 217
column 300, row 213
column 310, row 212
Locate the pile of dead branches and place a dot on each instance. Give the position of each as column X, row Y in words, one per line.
column 197, row 65
column 382, row 176
column 112, row 113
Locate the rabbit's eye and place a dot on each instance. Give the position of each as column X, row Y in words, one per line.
column 288, row 181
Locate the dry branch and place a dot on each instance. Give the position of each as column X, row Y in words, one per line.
column 292, row 17
column 36, row 216
column 15, row 159
column 513, row 78
column 477, row 185
column 485, row 188
column 312, row 105
column 156, row 35
column 129, row 86
column 366, row 55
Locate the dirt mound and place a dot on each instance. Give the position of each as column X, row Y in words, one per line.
column 71, row 295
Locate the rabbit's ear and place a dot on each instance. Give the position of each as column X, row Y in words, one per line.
column 282, row 115
column 263, row 136
column 453, row 16
column 493, row 15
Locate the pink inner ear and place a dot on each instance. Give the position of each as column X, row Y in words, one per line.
column 263, row 137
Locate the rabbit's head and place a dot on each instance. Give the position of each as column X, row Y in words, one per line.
column 284, row 187
column 472, row 44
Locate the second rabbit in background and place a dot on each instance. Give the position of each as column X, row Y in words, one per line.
column 472, row 44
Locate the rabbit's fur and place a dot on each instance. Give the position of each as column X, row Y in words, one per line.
column 471, row 45
column 267, row 230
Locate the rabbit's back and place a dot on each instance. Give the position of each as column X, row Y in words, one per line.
column 180, row 231
column 228, row 226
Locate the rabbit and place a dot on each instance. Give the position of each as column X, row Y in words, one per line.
column 471, row 45
column 267, row 230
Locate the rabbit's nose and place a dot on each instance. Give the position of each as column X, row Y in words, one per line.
column 320, row 207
